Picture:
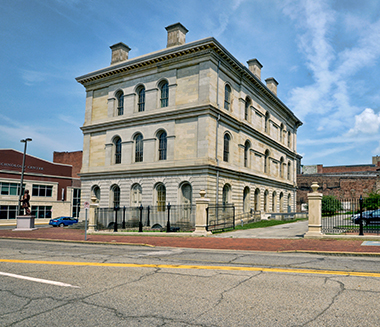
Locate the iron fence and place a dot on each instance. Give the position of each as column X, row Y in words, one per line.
column 220, row 217
column 164, row 218
column 248, row 217
column 342, row 216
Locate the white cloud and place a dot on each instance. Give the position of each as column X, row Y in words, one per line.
column 368, row 122
column 31, row 77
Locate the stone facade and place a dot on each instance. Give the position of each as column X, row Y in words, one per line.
column 164, row 126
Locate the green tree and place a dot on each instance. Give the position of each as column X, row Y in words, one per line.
column 372, row 202
column 330, row 205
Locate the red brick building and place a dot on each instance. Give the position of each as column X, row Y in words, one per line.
column 344, row 182
column 53, row 187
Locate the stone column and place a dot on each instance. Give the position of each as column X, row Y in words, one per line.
column 201, row 215
column 92, row 219
column 315, row 212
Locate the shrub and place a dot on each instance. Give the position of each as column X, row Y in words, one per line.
column 372, row 202
column 330, row 205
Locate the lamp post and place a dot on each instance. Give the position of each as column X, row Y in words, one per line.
column 25, row 141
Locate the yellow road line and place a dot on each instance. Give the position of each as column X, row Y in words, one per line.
column 134, row 265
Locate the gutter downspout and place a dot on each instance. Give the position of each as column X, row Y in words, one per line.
column 216, row 138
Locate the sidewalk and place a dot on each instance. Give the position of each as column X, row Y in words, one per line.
column 328, row 246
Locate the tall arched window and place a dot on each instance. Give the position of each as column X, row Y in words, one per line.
column 289, row 139
column 289, row 203
column 226, row 147
column 139, row 148
column 117, row 144
column 141, row 98
column 282, row 133
column 96, row 191
column 246, row 108
column 274, row 204
column 136, row 195
column 227, row 97
column 162, row 145
column 257, row 200
column 226, row 194
column 246, row 199
column 266, row 162
column 267, row 122
column 247, row 146
column 282, row 167
column 120, row 103
column 289, row 171
column 186, row 194
column 115, row 192
column 266, row 201
column 161, row 197
column 281, row 202
column 164, row 88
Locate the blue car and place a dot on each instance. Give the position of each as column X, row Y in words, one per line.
column 63, row 221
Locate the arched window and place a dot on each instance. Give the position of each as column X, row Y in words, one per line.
column 247, row 146
column 117, row 145
column 162, row 145
column 282, row 133
column 136, row 195
column 186, row 194
column 266, row 162
column 115, row 193
column 266, row 201
column 267, row 122
column 226, row 194
column 289, row 203
column 227, row 97
column 139, row 148
column 96, row 191
column 120, row 103
column 289, row 171
column 161, row 197
column 274, row 204
column 164, row 88
column 226, row 147
column 141, row 98
column 282, row 167
column 246, row 199
column 257, row 200
column 246, row 108
column 281, row 202
column 289, row 139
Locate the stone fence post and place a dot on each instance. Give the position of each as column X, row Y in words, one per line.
column 315, row 212
column 201, row 215
column 92, row 218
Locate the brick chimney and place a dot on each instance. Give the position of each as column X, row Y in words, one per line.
column 272, row 85
column 119, row 52
column 255, row 67
column 176, row 34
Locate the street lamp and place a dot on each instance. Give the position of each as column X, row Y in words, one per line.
column 25, row 141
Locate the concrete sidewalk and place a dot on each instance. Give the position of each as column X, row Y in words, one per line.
column 327, row 246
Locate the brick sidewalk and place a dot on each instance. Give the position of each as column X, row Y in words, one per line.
column 250, row 244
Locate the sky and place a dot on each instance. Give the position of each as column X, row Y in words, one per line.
column 324, row 54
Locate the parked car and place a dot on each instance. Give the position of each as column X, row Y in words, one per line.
column 63, row 221
column 369, row 217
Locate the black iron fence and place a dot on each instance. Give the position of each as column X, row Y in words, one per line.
column 168, row 218
column 350, row 216
column 220, row 217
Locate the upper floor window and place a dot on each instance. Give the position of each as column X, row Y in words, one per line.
column 141, row 98
column 282, row 167
column 266, row 162
column 162, row 146
column 267, row 122
column 289, row 170
column 42, row 190
column 282, row 133
column 247, row 146
column 289, row 139
column 226, row 147
column 11, row 188
column 246, row 108
column 227, row 97
column 164, row 94
column 117, row 144
column 139, row 148
column 120, row 103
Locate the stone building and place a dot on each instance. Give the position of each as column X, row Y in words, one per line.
column 163, row 126
column 343, row 182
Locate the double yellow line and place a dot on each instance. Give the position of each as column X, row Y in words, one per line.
column 228, row 268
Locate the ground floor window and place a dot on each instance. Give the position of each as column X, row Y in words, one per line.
column 41, row 211
column 76, row 202
column 8, row 212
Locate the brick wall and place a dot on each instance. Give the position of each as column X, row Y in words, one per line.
column 70, row 158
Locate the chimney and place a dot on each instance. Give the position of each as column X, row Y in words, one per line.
column 119, row 52
column 272, row 85
column 255, row 67
column 176, row 34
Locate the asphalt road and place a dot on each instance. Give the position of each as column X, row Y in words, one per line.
column 118, row 285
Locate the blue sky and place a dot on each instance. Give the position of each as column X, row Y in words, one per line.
column 324, row 54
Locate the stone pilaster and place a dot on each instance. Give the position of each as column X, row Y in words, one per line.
column 201, row 215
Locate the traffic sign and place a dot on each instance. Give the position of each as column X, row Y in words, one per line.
column 86, row 205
